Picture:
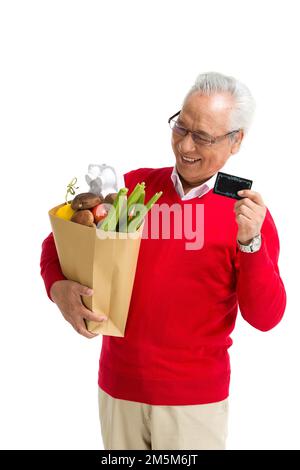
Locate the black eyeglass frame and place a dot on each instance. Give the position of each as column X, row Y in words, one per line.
column 212, row 140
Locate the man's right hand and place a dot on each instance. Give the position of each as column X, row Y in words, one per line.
column 67, row 296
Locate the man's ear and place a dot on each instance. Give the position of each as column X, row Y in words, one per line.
column 236, row 141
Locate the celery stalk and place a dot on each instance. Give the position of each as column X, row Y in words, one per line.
column 111, row 220
column 135, row 194
column 136, row 222
column 153, row 200
column 122, row 224
column 134, row 197
column 132, row 209
column 141, row 199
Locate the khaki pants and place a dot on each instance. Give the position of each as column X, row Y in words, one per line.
column 134, row 426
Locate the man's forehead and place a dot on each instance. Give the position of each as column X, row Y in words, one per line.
column 208, row 111
column 199, row 104
column 221, row 102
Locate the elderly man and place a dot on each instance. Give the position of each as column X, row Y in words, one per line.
column 165, row 385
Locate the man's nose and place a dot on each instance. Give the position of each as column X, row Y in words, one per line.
column 187, row 143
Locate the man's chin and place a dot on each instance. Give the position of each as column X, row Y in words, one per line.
column 191, row 175
column 190, row 171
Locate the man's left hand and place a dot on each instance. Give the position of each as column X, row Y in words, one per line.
column 250, row 213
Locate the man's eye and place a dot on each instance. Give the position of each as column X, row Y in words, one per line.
column 201, row 138
column 180, row 129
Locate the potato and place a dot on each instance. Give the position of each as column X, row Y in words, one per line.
column 86, row 201
column 110, row 198
column 84, row 217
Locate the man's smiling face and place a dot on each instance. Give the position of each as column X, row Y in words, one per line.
column 210, row 116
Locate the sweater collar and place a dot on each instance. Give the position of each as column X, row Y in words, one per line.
column 198, row 191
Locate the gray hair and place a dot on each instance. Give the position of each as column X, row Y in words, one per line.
column 212, row 82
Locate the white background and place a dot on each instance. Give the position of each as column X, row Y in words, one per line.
column 92, row 81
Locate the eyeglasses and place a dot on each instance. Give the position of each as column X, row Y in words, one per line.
column 198, row 138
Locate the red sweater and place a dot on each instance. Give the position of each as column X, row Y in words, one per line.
column 184, row 304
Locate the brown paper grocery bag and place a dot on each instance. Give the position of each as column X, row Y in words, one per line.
column 104, row 261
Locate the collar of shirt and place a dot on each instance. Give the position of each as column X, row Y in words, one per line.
column 198, row 191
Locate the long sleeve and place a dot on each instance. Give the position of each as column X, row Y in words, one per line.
column 49, row 264
column 260, row 290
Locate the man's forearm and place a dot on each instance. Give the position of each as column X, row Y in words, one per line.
column 260, row 290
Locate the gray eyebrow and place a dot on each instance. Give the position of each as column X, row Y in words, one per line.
column 197, row 132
